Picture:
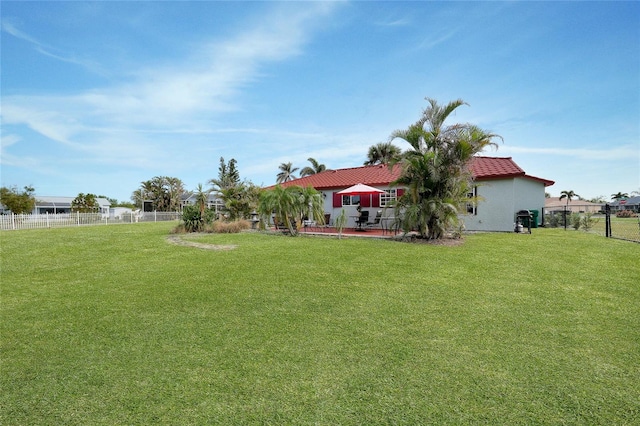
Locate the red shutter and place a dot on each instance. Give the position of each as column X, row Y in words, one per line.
column 375, row 202
column 399, row 192
column 365, row 200
column 337, row 200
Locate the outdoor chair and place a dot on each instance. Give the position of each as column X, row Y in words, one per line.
column 362, row 220
column 376, row 220
column 327, row 221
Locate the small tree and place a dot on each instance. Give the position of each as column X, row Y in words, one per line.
column 290, row 204
column 340, row 222
column 588, row 221
column 85, row 203
column 19, row 202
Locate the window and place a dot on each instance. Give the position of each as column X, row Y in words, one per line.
column 472, row 205
column 388, row 198
column 350, row 200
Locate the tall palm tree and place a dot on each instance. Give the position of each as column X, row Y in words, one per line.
column 569, row 195
column 435, row 169
column 382, row 153
column 315, row 168
column 286, row 172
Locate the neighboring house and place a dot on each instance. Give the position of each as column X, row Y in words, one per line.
column 213, row 201
column 502, row 187
column 57, row 205
column 632, row 203
column 555, row 204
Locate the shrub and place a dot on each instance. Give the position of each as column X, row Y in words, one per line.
column 192, row 220
column 234, row 227
column 552, row 221
column 588, row 221
column 575, row 221
column 626, row 213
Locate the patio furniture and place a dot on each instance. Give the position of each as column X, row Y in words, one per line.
column 361, row 221
column 376, row 220
column 326, row 224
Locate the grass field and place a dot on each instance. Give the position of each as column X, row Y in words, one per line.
column 113, row 325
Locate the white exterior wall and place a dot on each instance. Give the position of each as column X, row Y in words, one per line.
column 494, row 209
column 500, row 200
column 350, row 211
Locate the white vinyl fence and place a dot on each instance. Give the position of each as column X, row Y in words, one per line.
column 34, row 221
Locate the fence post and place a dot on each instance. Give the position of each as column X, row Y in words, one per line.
column 607, row 221
column 13, row 221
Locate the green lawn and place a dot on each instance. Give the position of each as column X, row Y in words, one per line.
column 111, row 325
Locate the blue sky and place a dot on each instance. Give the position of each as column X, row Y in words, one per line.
column 100, row 96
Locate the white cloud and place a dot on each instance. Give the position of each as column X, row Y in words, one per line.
column 182, row 96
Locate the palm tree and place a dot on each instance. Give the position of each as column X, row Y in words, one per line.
column 315, row 168
column 435, row 169
column 382, row 153
column 202, row 197
column 619, row 196
column 286, row 172
column 290, row 204
column 568, row 195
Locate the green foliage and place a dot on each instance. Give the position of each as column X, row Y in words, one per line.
column 290, row 204
column 383, row 153
column 588, row 222
column 19, row 202
column 313, row 169
column 286, row 172
column 240, row 198
column 163, row 192
column 575, row 220
column 435, row 169
column 340, row 222
column 192, row 219
column 85, row 203
column 111, row 325
column 228, row 175
column 569, row 195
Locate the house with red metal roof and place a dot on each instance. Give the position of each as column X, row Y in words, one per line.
column 501, row 187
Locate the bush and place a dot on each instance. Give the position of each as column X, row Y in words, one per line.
column 192, row 220
column 552, row 221
column 575, row 221
column 588, row 221
column 220, row 227
column 626, row 213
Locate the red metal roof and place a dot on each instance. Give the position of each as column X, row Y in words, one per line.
column 482, row 168
column 494, row 167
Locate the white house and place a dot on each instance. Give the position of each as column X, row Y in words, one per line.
column 501, row 187
column 57, row 205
